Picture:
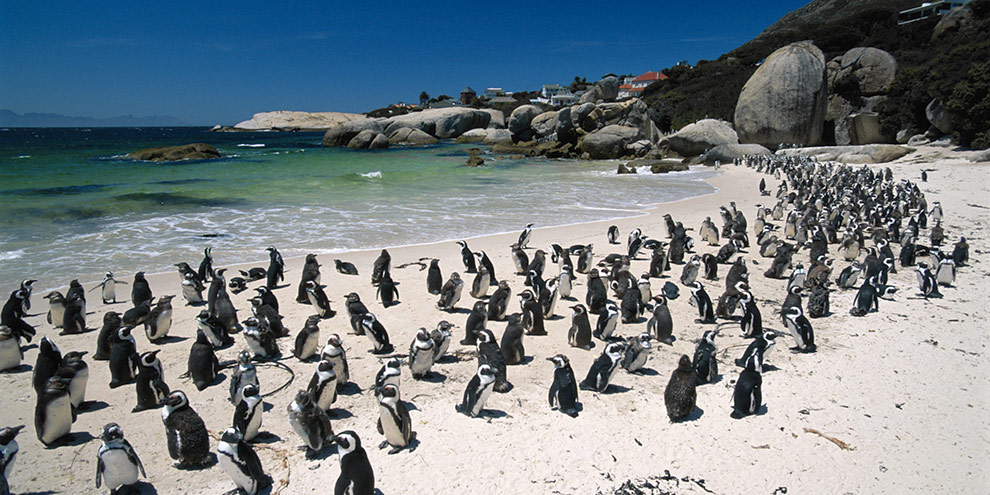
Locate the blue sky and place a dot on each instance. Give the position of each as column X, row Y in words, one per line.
column 220, row 62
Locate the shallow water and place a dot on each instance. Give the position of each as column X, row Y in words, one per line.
column 71, row 206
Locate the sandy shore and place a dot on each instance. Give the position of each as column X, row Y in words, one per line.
column 905, row 389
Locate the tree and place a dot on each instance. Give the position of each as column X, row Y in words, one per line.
column 424, row 97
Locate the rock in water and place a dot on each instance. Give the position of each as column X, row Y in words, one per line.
column 785, row 100
column 701, row 136
column 195, row 151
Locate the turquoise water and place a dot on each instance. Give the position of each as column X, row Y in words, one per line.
column 71, row 206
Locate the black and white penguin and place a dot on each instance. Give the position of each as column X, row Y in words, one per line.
column 747, row 397
column 308, row 339
column 691, row 270
column 520, row 260
column 451, row 292
column 117, row 464
column 927, row 283
column 206, row 265
column 356, row 476
column 212, row 328
column 319, row 300
column 138, row 315
column 798, row 276
column 757, row 350
column 323, row 386
column 377, row 334
column 632, row 306
column 237, row 285
column 387, row 292
column 601, row 371
column 276, row 268
column 565, row 281
column 53, row 413
column 109, row 288
column 345, row 268
column 393, row 420
column 267, row 297
column 310, row 422
column 479, row 287
column 111, row 323
column 421, row 354
column 389, row 374
column 248, row 412
column 46, row 365
column 800, row 329
column 141, row 290
column 703, row 302
column 585, row 258
column 484, row 261
column 532, row 312
column 945, row 274
column 477, row 320
column 489, row 353
column 334, row 352
column 705, row 363
column 203, row 365
column 498, row 303
column 525, row 236
column 867, row 298
column 793, row 298
column 149, row 383
column 239, row 460
column 8, row 453
column 751, row 323
column 579, row 335
column 188, row 440
column 441, row 336
column 681, row 395
column 355, row 311
column 477, row 392
column 159, row 320
column 613, row 234
column 226, row 313
column 11, row 353
column 563, row 390
column 512, row 341
column 56, row 308
column 77, row 371
column 123, row 358
column 849, row 275
column 637, row 352
column 244, row 374
column 260, row 339
column 434, row 278
column 467, row 257
column 597, row 295
column 608, row 320
column 74, row 317
column 185, row 269
column 960, row 252
column 661, row 325
column 310, row 273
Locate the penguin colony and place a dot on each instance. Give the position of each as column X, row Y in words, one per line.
column 830, row 211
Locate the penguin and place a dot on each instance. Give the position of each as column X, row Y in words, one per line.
column 192, row 291
column 691, row 269
column 323, row 386
column 793, row 297
column 536, row 265
column 681, row 395
column 800, row 329
column 319, row 300
column 532, row 314
column 356, row 476
column 441, row 339
column 117, row 464
column 451, row 292
column 141, row 290
column 310, row 422
column 355, row 312
column 149, row 382
column 751, row 323
column 710, row 264
column 867, row 298
column 111, row 323
column 187, row 438
column 268, row 315
column 635, row 246
column 248, row 412
column 75, row 290
column 613, row 234
column 498, row 303
column 212, row 328
column 307, row 340
column 563, row 389
column 601, row 372
column 239, row 460
column 525, row 236
column 48, row 362
column 138, row 315
column 244, row 374
column 520, row 260
column 637, row 352
column 703, row 302
column 381, row 266
column 185, row 269
column 632, row 305
column 661, row 325
column 565, row 281
column 960, row 252
column 53, row 413
column 206, row 265
column 477, row 392
column 11, row 354
column 818, row 301
column 334, row 352
column 377, row 334
column 608, row 319
column 484, row 261
column 254, row 274
column 579, row 334
column 798, row 276
column 56, row 308
column 926, row 281
column 310, row 273
column 77, row 371
column 387, row 292
column 467, row 257
column 476, row 322
column 585, row 257
column 489, row 353
column 203, row 365
column 421, row 354
column 389, row 374
column 345, row 268
column 434, row 279
column 596, row 296
column 109, row 288
column 705, row 363
column 260, row 339
column 756, row 352
column 8, row 452
column 479, row 288
column 945, row 274
column 512, row 341
column 393, row 420
column 849, row 275
column 226, row 313
column 658, row 262
column 276, row 268
column 267, row 297
column 747, row 397
column 159, row 320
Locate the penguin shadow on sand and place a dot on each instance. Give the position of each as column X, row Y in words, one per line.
column 644, row 371
column 695, row 415
column 169, row 339
column 336, row 413
column 74, row 439
column 349, row 389
column 432, row 377
column 266, row 438
column 22, row 368
column 92, row 406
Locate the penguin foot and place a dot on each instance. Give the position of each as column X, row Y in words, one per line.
column 383, row 444
column 736, row 414
column 395, row 450
column 469, row 342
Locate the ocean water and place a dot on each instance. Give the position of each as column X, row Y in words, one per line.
column 71, row 205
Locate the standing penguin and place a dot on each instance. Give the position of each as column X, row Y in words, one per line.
column 532, row 313
column 596, row 296
column 244, row 374
column 579, row 334
column 203, row 363
column 451, row 292
column 520, row 260
column 484, row 261
column 612, row 235
column 434, row 279
column 319, row 300
column 489, row 353
column 335, row 353
column 467, row 257
column 310, row 422
column 476, row 321
column 850, row 274
column 149, row 382
column 632, row 305
column 109, row 288
column 563, row 390
column 512, row 341
column 206, row 266
column 117, row 464
column 704, row 362
column 77, row 371
column 421, row 354
column 239, row 460
column 389, row 374
column 53, row 413
column 608, row 319
column 308, row 339
column 747, row 398
column 703, row 302
column 926, row 281
column 8, row 451
column 393, row 420
column 260, row 339
column 565, row 281
column 498, row 304
column 188, row 440
column 867, row 298
column 751, row 323
column 11, row 354
column 276, row 268
column 441, row 339
column 377, row 333
column 800, row 329
column 601, row 372
column 56, row 308
column 387, row 292
column 111, row 323
column 192, row 290
column 47, row 364
column 141, row 290
column 123, row 358
column 74, row 317
column 249, row 411
column 159, row 320
column 637, row 353
column 356, row 476
column 381, row 267
column 323, row 386
column 525, row 236
column 477, row 392
column 680, row 395
column 479, row 287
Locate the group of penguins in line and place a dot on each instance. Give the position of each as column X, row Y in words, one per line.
column 824, row 199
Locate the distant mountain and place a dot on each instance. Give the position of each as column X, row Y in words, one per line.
column 11, row 119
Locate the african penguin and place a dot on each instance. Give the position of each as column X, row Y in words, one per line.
column 681, row 395
column 393, row 420
column 239, row 460
column 563, row 390
column 117, row 464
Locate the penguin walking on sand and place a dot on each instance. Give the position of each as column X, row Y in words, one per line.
column 477, row 392
column 56, row 308
column 244, row 374
column 563, row 390
column 757, row 351
column 356, row 476
column 703, row 302
column 434, row 278
column 451, row 292
column 334, row 352
column 53, row 412
column 239, row 460
column 579, row 334
column 307, row 340
column 310, row 422
column 249, row 412
column 323, row 386
column 108, row 288
column 800, row 329
column 479, row 287
column 117, row 464
column 608, row 320
column 637, row 352
column 141, row 290
column 393, row 420
column 603, row 369
column 11, row 353
column 681, row 395
column 512, row 341
column 203, row 365
column 377, row 334
column 498, row 303
column 747, row 397
column 188, row 440
column 387, row 292
column 319, row 300
column 123, row 358
column 149, row 383
column 276, row 268
column 159, row 320
column 704, row 363
column 467, row 257
column 192, row 290
column 421, row 354
column 489, row 353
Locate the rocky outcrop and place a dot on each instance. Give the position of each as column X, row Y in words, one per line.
column 343, row 133
column 870, row 153
column 864, row 128
column 497, row 120
column 520, row 120
column 474, row 158
column 858, row 82
column 473, row 136
column 939, row 116
column 785, row 99
column 608, row 142
column 441, row 123
column 415, row 137
column 544, row 124
column 953, row 21
column 981, row 156
column 195, row 151
column 497, row 136
column 605, row 90
column 726, row 153
column 623, row 169
column 291, row 120
column 699, row 137
column 872, row 69
column 658, row 166
column 368, row 140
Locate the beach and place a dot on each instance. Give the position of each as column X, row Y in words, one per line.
column 893, row 402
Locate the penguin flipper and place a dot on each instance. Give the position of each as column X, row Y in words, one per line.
column 99, row 471
column 133, row 457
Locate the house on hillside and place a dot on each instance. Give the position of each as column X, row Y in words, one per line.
column 549, row 91
column 468, row 95
column 565, row 98
column 491, row 93
column 928, row 9
column 635, row 86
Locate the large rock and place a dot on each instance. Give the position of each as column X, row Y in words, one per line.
column 869, row 153
column 408, row 135
column 694, row 139
column 379, row 143
column 658, row 166
column 608, row 142
column 864, row 128
column 368, row 139
column 605, row 90
column 521, row 117
column 784, row 101
column 580, row 112
column 195, row 151
column 953, row 21
column 303, row 121
column 629, row 113
column 344, row 133
column 939, row 116
column 981, row 156
column 498, row 118
column 726, row 153
column 839, row 110
column 442, row 123
column 497, row 136
column 872, row 68
column 473, row 136
column 544, row 124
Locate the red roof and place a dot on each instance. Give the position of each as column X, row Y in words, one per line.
column 651, row 76
column 626, row 86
